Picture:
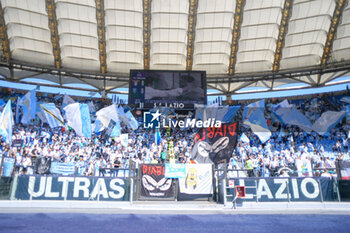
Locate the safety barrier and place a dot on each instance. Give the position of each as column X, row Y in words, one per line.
column 149, row 182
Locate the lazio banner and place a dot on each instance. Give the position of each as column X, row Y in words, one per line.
column 175, row 170
column 199, row 180
column 62, row 168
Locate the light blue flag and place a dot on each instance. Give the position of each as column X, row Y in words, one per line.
column 78, row 117
column 223, row 113
column 28, row 104
column 244, row 138
column 289, row 115
column 281, row 111
column 2, row 103
column 6, row 123
column 17, row 111
column 116, row 130
column 295, row 117
column 132, row 122
column 327, row 121
column 157, row 137
column 85, row 119
column 52, row 115
column 199, row 109
column 98, row 126
column 127, row 118
column 345, row 99
column 255, row 119
column 249, row 109
column 231, row 113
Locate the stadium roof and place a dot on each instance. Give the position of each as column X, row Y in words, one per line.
column 239, row 43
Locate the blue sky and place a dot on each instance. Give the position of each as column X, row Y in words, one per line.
column 256, row 95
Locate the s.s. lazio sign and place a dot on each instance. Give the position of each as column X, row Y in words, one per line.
column 72, row 188
column 278, row 189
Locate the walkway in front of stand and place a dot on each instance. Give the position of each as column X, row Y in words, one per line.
column 186, row 223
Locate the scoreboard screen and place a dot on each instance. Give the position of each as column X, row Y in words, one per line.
column 177, row 89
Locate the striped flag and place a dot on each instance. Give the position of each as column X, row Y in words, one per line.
column 253, row 116
column 52, row 115
column 28, row 104
column 6, row 123
column 78, row 117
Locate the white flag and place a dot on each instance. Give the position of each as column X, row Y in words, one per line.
column 6, row 123
column 327, row 121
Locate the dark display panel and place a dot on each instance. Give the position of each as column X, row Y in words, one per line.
column 177, row 89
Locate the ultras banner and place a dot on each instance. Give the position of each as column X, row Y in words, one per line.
column 199, row 179
column 215, row 145
column 154, row 184
column 72, row 188
column 277, row 189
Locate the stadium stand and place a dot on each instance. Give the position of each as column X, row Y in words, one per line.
column 301, row 153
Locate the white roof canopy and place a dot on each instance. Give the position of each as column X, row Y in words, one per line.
column 79, row 47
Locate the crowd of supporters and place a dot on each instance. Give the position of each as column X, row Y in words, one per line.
column 289, row 151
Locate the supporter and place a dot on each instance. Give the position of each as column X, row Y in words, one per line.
column 80, row 166
column 102, row 164
column 326, row 174
column 283, row 174
column 249, row 165
column 293, row 148
column 26, row 163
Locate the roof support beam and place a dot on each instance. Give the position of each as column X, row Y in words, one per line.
column 3, row 36
column 51, row 11
column 191, row 32
column 146, row 33
column 236, row 32
column 338, row 12
column 286, row 13
column 101, row 34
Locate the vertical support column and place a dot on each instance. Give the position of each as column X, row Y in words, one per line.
column 100, row 18
column 51, row 11
column 286, row 13
column 192, row 20
column 338, row 12
column 236, row 33
column 3, row 36
column 146, row 33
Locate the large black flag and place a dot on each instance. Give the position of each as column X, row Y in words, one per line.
column 214, row 145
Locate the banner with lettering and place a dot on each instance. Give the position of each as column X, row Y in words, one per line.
column 8, row 166
column 278, row 189
column 198, row 180
column 215, row 145
column 154, row 184
column 175, row 170
column 72, row 188
column 62, row 168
